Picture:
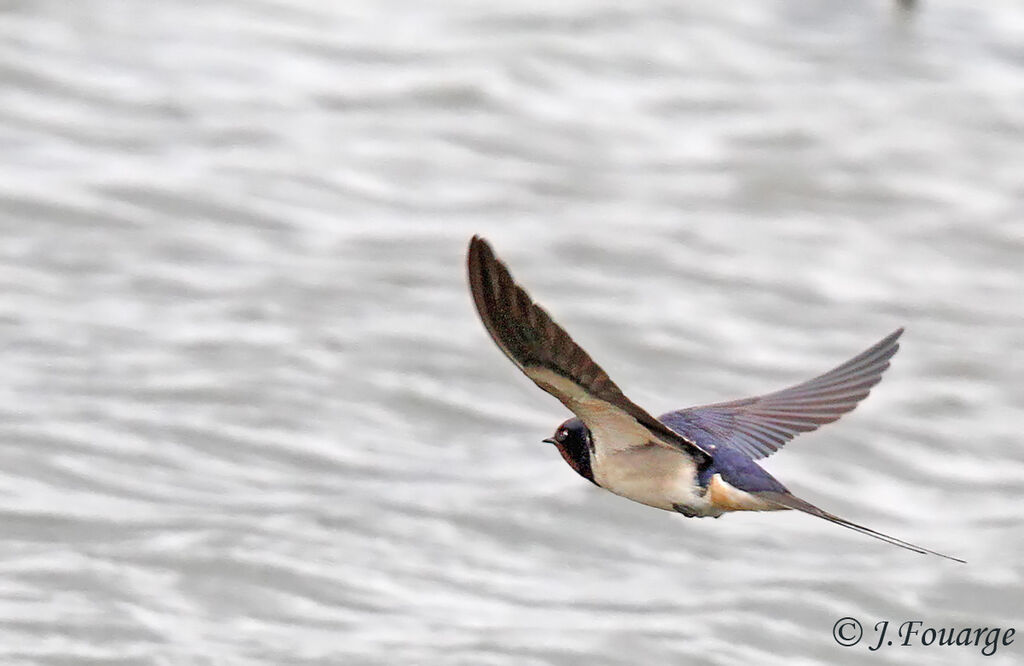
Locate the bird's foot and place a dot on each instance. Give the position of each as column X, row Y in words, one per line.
column 687, row 511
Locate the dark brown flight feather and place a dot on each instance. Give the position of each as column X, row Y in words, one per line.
column 531, row 339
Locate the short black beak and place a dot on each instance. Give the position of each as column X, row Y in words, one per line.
column 549, row 440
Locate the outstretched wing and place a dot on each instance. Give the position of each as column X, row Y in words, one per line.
column 548, row 356
column 761, row 425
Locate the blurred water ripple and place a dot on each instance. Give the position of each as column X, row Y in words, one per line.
column 249, row 416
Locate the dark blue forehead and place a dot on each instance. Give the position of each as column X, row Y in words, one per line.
column 573, row 425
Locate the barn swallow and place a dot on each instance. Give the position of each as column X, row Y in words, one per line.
column 697, row 461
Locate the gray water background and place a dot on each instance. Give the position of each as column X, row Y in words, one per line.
column 249, row 415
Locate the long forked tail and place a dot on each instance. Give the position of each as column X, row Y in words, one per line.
column 793, row 502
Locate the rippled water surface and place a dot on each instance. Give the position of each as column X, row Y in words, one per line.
column 249, row 415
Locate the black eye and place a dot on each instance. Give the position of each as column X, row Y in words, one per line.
column 563, row 433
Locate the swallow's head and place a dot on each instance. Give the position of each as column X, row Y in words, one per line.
column 573, row 441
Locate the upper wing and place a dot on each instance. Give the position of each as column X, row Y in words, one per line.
column 761, row 425
column 548, row 356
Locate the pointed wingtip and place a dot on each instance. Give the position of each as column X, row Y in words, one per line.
column 477, row 241
column 477, row 253
column 891, row 340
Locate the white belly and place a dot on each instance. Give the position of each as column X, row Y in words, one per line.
column 653, row 475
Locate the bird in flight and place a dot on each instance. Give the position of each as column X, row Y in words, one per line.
column 698, row 461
